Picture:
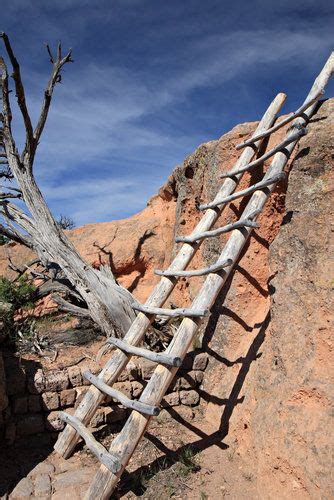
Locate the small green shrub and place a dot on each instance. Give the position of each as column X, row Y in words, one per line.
column 19, row 293
column 3, row 240
column 187, row 462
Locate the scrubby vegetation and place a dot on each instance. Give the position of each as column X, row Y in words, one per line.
column 19, row 293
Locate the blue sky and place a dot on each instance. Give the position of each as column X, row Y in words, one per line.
column 153, row 79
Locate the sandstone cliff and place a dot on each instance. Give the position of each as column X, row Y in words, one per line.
column 266, row 390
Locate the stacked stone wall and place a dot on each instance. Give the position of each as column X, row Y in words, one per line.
column 35, row 394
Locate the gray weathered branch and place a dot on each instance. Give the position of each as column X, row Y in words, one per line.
column 54, row 78
column 71, row 308
column 20, row 94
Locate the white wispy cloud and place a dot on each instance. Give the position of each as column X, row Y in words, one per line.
column 100, row 126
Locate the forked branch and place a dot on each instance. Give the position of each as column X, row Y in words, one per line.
column 20, row 94
column 57, row 65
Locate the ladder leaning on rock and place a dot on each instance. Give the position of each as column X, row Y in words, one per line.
column 114, row 460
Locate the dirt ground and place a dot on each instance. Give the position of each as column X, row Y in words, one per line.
column 182, row 456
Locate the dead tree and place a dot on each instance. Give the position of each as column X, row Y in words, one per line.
column 99, row 296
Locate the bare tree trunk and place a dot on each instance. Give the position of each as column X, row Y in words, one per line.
column 108, row 304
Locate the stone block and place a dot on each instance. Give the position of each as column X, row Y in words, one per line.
column 56, row 380
column 147, row 367
column 200, row 361
column 20, row 404
column 53, row 422
column 42, row 485
column 192, row 379
column 131, row 373
column 30, row 424
column 15, row 377
column 23, row 489
column 72, row 478
column 41, row 468
column 67, row 397
column 189, row 398
column 10, row 433
column 36, row 382
column 74, row 375
column 137, row 389
column 34, row 403
column 172, row 399
column 124, row 387
column 50, row 401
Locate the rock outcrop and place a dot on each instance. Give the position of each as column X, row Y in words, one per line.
column 266, row 387
column 274, row 376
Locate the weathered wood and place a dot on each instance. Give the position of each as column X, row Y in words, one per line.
column 94, row 446
column 121, row 398
column 216, row 232
column 259, row 161
column 307, row 103
column 195, row 272
column 68, row 439
column 69, row 307
column 171, row 313
column 157, row 357
column 126, row 441
column 266, row 181
column 109, row 305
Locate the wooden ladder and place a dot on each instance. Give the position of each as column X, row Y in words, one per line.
column 114, row 460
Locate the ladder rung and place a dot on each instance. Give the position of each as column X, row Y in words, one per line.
column 109, row 460
column 157, row 357
column 216, row 232
column 173, row 313
column 196, row 272
column 280, row 124
column 244, row 192
column 280, row 147
column 128, row 403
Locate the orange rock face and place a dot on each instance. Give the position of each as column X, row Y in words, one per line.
column 134, row 247
column 266, row 390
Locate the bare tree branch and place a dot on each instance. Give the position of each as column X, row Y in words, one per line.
column 9, row 142
column 20, row 95
column 54, row 78
column 14, row 235
column 68, row 307
column 15, row 214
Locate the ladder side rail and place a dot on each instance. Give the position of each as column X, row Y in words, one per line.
column 69, row 438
